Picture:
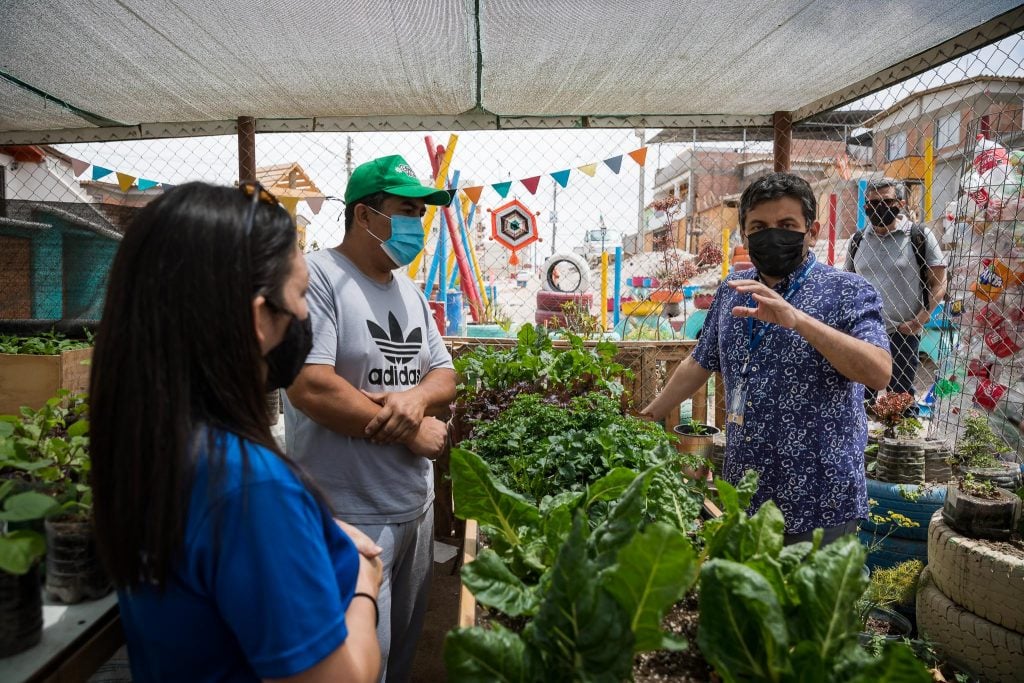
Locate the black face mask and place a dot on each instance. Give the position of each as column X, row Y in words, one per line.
column 881, row 214
column 287, row 358
column 776, row 252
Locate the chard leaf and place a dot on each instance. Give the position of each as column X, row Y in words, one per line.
column 654, row 570
column 742, row 630
column 494, row 585
column 580, row 628
column 478, row 655
column 828, row 586
column 896, row 665
column 610, row 486
column 27, row 506
column 622, row 521
column 19, row 550
column 557, row 513
column 478, row 495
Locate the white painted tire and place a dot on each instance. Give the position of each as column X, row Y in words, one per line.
column 977, row 575
column 578, row 261
column 986, row 650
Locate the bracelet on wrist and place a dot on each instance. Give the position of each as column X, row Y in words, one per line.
column 376, row 610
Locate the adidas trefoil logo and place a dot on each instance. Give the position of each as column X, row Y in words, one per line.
column 396, row 347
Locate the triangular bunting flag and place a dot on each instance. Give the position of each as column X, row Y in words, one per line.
column 100, row 172
column 502, row 188
column 561, row 177
column 589, row 169
column 314, row 204
column 289, row 204
column 531, row 183
column 144, row 184
column 473, row 193
column 79, row 166
column 615, row 163
column 639, row 155
column 125, row 181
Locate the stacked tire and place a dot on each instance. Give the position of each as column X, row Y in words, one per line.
column 970, row 603
column 549, row 306
column 898, row 544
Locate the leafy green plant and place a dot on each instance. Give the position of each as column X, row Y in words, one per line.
column 697, row 428
column 891, row 410
column 22, row 547
column 592, row 578
column 578, row 320
column 46, row 344
column 979, row 445
column 895, row 585
column 979, row 488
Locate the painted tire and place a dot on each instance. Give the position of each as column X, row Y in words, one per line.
column 552, row 301
column 889, row 499
column 977, row 575
column 986, row 650
column 892, row 550
column 578, row 262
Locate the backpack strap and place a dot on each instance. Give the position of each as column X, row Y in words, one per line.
column 854, row 244
column 920, row 243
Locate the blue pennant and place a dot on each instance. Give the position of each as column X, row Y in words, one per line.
column 502, row 188
column 561, row 177
column 615, row 163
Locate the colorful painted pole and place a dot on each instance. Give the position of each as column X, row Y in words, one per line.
column 453, row 273
column 725, row 253
column 832, row 199
column 862, row 192
column 440, row 174
column 618, row 285
column 604, row 290
column 929, row 176
column 467, row 244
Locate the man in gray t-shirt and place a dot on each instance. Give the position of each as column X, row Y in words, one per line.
column 359, row 418
column 885, row 256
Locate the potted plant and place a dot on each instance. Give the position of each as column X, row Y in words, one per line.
column 900, row 455
column 32, row 369
column 977, row 454
column 696, row 438
column 980, row 509
column 892, row 589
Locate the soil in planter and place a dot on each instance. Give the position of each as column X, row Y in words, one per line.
column 881, row 626
column 665, row 665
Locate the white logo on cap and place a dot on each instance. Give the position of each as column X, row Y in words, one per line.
column 407, row 170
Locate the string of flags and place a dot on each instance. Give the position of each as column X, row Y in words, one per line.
column 125, row 181
column 561, row 177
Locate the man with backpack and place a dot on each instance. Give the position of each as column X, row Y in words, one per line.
column 904, row 263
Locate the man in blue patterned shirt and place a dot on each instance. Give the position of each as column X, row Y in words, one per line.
column 796, row 342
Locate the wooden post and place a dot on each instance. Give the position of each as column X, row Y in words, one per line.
column 246, row 148
column 672, row 419
column 782, row 122
column 699, row 411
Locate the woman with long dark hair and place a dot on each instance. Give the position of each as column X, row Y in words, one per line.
column 229, row 566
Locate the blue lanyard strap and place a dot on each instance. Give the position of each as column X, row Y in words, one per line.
column 755, row 334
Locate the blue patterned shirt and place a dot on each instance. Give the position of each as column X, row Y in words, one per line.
column 804, row 427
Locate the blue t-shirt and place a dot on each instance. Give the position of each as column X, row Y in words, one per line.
column 804, row 427
column 262, row 595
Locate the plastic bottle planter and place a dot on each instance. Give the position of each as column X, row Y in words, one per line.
column 994, row 518
column 21, row 611
column 900, row 461
column 73, row 571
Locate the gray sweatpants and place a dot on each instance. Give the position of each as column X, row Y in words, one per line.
column 408, row 559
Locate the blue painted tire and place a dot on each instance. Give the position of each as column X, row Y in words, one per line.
column 889, row 498
column 893, row 551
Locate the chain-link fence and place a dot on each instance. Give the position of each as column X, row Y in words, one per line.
column 622, row 231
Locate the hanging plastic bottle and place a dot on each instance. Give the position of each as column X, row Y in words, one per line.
column 988, row 154
column 992, row 279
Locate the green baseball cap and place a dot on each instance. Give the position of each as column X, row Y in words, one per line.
column 392, row 175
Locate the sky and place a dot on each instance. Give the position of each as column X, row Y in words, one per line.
column 486, row 157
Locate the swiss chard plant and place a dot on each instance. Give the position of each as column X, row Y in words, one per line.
column 594, row 582
column 21, row 546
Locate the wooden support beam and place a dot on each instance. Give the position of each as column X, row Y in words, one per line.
column 246, row 148
column 782, row 145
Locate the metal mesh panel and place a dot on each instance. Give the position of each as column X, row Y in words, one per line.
column 667, row 198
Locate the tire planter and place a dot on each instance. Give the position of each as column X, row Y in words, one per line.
column 981, row 517
column 980, row 647
column 73, row 570
column 889, row 497
column 1006, row 475
column 900, row 461
column 552, row 301
column 983, row 577
column 936, row 462
column 552, row 262
column 21, row 611
column 901, row 623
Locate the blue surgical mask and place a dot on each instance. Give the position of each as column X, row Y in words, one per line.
column 406, row 241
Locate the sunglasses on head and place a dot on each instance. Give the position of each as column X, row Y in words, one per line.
column 252, row 188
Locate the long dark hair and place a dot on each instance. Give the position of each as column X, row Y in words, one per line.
column 176, row 355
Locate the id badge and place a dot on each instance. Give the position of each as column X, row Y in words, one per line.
column 737, row 401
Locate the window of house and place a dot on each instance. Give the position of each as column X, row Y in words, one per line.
column 896, row 146
column 947, row 131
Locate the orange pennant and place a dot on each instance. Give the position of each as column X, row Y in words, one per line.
column 125, row 181
column 589, row 169
column 639, row 155
column 473, row 193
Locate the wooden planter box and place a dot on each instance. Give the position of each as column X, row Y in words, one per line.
column 32, row 380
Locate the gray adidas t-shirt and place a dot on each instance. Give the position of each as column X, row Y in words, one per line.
column 379, row 338
column 888, row 263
